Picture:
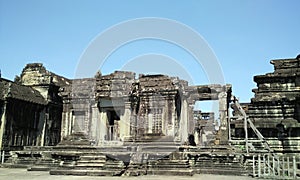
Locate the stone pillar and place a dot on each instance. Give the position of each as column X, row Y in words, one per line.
column 44, row 131
column 133, row 121
column 88, row 119
column 183, row 125
column 3, row 124
column 223, row 133
column 65, row 124
column 70, row 122
column 171, row 114
column 102, row 127
column 191, row 122
column 125, row 121
column 95, row 124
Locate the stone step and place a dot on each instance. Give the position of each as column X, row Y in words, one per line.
column 10, row 165
column 93, row 157
column 26, row 161
column 82, row 172
column 68, row 165
column 94, row 165
column 39, row 168
column 165, row 166
column 200, row 164
column 151, row 143
column 113, row 167
column 167, row 161
column 218, row 166
column 171, row 172
column 135, row 172
column 222, row 171
column 47, row 164
column 91, row 161
column 168, row 165
column 85, row 142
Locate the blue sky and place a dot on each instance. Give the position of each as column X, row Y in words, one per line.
column 244, row 35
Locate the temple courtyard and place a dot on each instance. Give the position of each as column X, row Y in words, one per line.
column 147, row 127
column 16, row 173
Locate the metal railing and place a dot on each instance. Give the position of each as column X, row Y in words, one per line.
column 2, row 156
column 271, row 167
column 247, row 121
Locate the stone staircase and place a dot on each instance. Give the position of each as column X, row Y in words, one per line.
column 136, row 169
column 220, row 166
column 221, row 160
column 75, row 156
column 170, row 167
column 44, row 165
column 76, row 139
column 91, row 165
column 151, row 155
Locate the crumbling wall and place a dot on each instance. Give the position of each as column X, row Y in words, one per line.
column 274, row 109
column 78, row 103
column 157, row 107
column 21, row 110
column 113, row 96
column 36, row 76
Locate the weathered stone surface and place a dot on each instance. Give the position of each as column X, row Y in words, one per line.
column 126, row 119
column 275, row 107
column 31, row 108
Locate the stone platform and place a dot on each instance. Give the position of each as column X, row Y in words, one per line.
column 135, row 159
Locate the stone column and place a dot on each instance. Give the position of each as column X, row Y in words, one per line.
column 3, row 124
column 171, row 116
column 103, row 120
column 191, row 122
column 65, row 121
column 223, row 114
column 95, row 124
column 70, row 122
column 125, row 122
column 133, row 121
column 63, row 125
column 183, row 125
column 44, row 131
column 88, row 119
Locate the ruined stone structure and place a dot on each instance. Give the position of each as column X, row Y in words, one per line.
column 21, row 116
column 114, row 108
column 120, row 124
column 206, row 128
column 116, row 120
column 275, row 108
column 31, row 109
column 41, row 108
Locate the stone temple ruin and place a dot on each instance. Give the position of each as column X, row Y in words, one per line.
column 118, row 124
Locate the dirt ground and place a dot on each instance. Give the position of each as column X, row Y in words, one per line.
column 23, row 174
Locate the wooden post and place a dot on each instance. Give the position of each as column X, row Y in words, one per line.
column 294, row 168
column 259, row 166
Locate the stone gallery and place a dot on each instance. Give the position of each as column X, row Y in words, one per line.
column 121, row 124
